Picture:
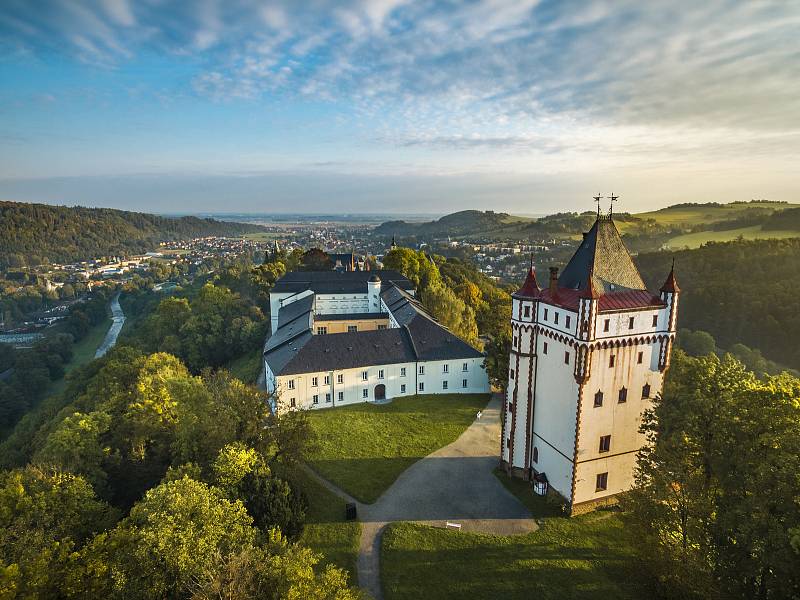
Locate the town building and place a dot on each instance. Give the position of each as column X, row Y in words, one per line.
column 589, row 353
column 343, row 337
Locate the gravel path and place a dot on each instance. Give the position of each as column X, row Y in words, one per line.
column 455, row 484
column 118, row 320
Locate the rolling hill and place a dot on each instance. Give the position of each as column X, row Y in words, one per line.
column 35, row 233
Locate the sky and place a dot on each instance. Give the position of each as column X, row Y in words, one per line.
column 393, row 106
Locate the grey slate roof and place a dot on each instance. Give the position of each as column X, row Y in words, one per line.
column 603, row 256
column 337, row 282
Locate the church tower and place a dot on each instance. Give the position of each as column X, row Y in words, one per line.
column 589, row 352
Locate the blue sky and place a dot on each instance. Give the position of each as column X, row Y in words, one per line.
column 397, row 106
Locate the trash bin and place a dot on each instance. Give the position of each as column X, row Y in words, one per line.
column 350, row 511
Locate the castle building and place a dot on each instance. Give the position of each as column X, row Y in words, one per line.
column 589, row 352
column 343, row 337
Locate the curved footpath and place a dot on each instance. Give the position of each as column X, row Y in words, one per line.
column 456, row 483
column 117, row 321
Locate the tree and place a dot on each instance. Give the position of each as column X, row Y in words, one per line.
column 696, row 343
column 315, row 260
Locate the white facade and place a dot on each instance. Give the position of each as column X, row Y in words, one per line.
column 552, row 422
column 351, row 386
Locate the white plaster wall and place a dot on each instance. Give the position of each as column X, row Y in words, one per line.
column 563, row 313
column 642, row 323
column 619, row 420
column 342, row 303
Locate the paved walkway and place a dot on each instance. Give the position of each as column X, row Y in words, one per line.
column 455, row 483
column 118, row 320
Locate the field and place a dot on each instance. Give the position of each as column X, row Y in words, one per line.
column 693, row 215
column 695, row 240
column 365, row 447
column 587, row 557
column 326, row 530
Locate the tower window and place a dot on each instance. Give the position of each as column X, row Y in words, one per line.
column 646, row 390
column 545, row 314
column 555, row 318
column 655, row 320
column 566, row 322
column 623, row 395
column 598, row 399
column 630, row 323
column 639, row 358
column 544, row 348
column 515, row 341
column 602, row 482
column 606, row 324
column 611, row 361
column 535, row 454
column 605, row 443
column 566, row 358
column 512, row 373
column 527, row 311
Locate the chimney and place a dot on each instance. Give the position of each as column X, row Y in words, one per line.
column 553, row 280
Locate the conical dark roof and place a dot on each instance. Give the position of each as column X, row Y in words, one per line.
column 671, row 285
column 529, row 289
column 603, row 259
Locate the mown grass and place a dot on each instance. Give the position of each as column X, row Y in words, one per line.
column 587, row 557
column 326, row 530
column 697, row 239
column 365, row 447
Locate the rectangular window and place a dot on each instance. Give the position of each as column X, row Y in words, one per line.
column 445, row 368
column 567, row 320
column 598, row 399
column 340, row 396
column 464, row 383
column 527, row 311
column 464, row 367
column 340, row 378
column 544, row 348
column 623, row 395
column 512, row 373
column 422, row 369
column 403, row 388
column 555, row 318
column 646, row 390
column 315, row 398
column 639, row 358
column 314, row 381
column 327, row 379
column 352, row 328
column 606, row 324
column 421, row 387
column 290, row 384
column 380, row 373
column 365, row 393
column 515, row 341
column 292, row 402
column 655, row 320
column 602, row 482
column 630, row 322
column 322, row 330
column 363, row 375
column 444, row 385
column 327, row 397
column 611, row 361
column 545, row 314
column 605, row 443
column 566, row 358
column 381, row 327
column 402, row 371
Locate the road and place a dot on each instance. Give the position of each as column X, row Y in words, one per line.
column 118, row 320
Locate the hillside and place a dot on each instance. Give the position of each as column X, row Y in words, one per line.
column 34, row 233
column 739, row 292
column 465, row 222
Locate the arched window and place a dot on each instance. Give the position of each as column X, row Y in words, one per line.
column 535, row 454
column 598, row 399
column 623, row 395
column 646, row 390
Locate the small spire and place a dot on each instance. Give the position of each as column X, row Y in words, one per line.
column 611, row 205
column 671, row 285
column 597, row 199
column 529, row 289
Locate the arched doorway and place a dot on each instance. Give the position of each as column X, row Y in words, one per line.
column 380, row 392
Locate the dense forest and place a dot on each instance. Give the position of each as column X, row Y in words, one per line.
column 31, row 234
column 740, row 292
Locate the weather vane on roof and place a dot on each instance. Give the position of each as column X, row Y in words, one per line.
column 611, row 206
column 597, row 199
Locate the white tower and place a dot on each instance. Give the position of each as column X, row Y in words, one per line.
column 588, row 354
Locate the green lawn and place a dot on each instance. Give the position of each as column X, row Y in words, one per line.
column 695, row 240
column 587, row 557
column 247, row 367
column 364, row 448
column 326, row 530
